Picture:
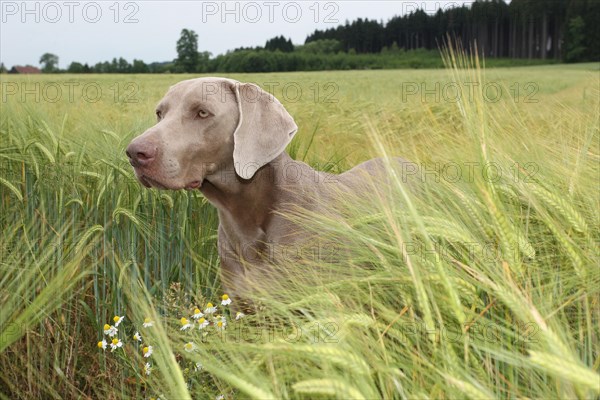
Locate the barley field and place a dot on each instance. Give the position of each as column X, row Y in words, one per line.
column 484, row 285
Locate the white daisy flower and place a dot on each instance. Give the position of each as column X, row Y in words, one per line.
column 110, row 330
column 197, row 314
column 118, row 319
column 147, row 368
column 147, row 322
column 137, row 336
column 102, row 345
column 115, row 344
column 198, row 366
column 185, row 324
column 202, row 323
column 221, row 323
column 225, row 300
column 210, row 308
column 189, row 347
column 220, row 397
column 147, row 351
column 239, row 315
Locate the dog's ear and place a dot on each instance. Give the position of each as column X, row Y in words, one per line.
column 264, row 129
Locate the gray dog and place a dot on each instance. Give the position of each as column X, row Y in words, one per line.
column 228, row 140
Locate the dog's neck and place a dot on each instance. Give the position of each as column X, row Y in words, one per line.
column 247, row 204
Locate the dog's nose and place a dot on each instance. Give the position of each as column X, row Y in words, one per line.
column 140, row 153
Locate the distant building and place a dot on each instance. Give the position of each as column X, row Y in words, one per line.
column 28, row 69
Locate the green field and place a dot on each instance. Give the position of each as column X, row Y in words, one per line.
column 485, row 285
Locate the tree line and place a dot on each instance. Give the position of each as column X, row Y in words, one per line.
column 520, row 33
column 567, row 30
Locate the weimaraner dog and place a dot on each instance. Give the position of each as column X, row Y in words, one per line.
column 228, row 140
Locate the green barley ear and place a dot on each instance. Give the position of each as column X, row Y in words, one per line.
column 340, row 357
column 448, row 230
column 83, row 241
column 561, row 206
column 12, row 188
column 45, row 151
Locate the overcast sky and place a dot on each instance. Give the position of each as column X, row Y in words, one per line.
column 90, row 32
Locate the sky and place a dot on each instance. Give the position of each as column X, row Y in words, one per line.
column 95, row 31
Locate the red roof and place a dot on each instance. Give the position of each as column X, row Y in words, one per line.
column 25, row 70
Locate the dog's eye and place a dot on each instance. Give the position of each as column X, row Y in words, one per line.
column 158, row 115
column 203, row 114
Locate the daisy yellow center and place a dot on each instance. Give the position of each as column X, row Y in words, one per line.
column 100, row 344
column 115, row 341
column 225, row 297
column 145, row 350
column 220, row 324
column 188, row 346
column 146, row 320
column 196, row 311
column 116, row 318
column 201, row 320
column 184, row 320
column 106, row 327
column 209, row 305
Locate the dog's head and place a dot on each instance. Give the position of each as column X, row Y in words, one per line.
column 206, row 125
